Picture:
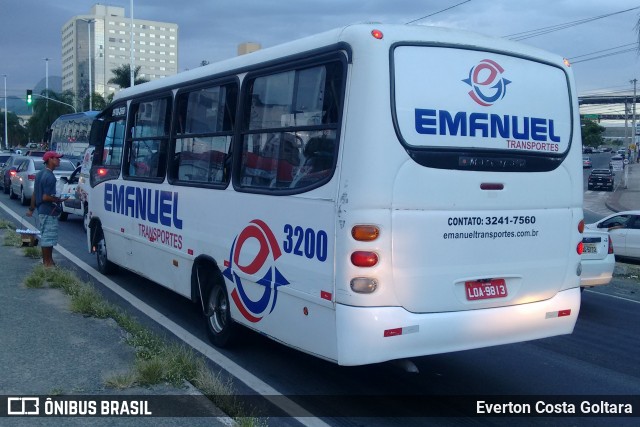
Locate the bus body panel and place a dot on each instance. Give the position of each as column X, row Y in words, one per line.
column 376, row 334
column 443, row 220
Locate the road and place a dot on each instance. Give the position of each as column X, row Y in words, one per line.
column 594, row 201
column 598, row 359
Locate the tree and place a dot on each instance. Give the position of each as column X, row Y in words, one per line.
column 591, row 133
column 16, row 133
column 45, row 113
column 98, row 103
column 122, row 76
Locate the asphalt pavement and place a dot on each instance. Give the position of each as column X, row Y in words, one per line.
column 47, row 350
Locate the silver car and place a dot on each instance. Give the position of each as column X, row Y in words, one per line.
column 24, row 178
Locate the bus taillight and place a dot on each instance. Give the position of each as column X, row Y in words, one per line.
column 364, row 258
column 365, row 233
column 581, row 227
column 580, row 248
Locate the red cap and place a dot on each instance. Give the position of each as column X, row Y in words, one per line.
column 49, row 155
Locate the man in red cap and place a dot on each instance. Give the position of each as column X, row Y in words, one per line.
column 48, row 205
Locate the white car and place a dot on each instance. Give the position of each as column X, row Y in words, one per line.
column 624, row 229
column 66, row 187
column 598, row 260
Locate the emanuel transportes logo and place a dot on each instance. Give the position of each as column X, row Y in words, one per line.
column 487, row 82
column 263, row 265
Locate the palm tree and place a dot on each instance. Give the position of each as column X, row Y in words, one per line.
column 122, row 76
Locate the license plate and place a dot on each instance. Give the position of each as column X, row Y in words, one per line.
column 494, row 288
column 590, row 248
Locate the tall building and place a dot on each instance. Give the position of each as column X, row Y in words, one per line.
column 103, row 36
column 248, row 47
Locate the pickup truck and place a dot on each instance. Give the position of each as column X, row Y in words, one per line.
column 600, row 178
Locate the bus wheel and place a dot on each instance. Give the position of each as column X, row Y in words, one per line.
column 219, row 323
column 104, row 265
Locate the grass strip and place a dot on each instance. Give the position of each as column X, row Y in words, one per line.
column 156, row 360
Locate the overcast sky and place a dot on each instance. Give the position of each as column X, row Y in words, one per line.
column 211, row 29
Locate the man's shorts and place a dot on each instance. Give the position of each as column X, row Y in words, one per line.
column 48, row 230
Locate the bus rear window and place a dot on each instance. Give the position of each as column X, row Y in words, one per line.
column 459, row 99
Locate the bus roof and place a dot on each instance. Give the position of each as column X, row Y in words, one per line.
column 80, row 115
column 352, row 35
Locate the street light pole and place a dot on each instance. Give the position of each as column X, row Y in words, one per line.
column 633, row 119
column 46, row 60
column 6, row 133
column 89, row 22
column 131, row 64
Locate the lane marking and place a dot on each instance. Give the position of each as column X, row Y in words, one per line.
column 255, row 383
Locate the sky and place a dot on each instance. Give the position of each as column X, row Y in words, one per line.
column 211, row 29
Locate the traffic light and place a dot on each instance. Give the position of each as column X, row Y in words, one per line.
column 29, row 96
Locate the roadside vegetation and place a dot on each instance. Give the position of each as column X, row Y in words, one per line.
column 156, row 360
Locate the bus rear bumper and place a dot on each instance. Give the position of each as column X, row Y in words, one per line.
column 377, row 334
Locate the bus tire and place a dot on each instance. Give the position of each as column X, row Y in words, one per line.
column 64, row 216
column 105, row 266
column 218, row 314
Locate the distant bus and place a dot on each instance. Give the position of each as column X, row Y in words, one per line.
column 70, row 133
column 367, row 194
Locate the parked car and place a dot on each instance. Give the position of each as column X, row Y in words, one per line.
column 66, row 187
column 624, row 229
column 8, row 170
column 35, row 153
column 586, row 162
column 598, row 259
column 3, row 158
column 25, row 176
column 601, row 178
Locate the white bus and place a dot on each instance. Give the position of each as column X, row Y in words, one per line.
column 367, row 194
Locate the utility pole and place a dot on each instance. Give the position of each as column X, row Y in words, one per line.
column 89, row 22
column 46, row 71
column 6, row 133
column 131, row 61
column 633, row 119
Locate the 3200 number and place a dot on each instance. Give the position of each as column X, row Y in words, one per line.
column 305, row 242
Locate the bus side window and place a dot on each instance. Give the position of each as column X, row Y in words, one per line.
column 148, row 139
column 319, row 157
column 290, row 128
column 203, row 135
column 113, row 143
